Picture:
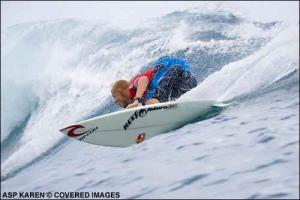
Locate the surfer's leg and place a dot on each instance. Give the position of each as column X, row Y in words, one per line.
column 187, row 82
column 166, row 86
column 183, row 82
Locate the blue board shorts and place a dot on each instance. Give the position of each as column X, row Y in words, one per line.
column 175, row 83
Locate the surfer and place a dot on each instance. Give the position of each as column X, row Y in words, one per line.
column 167, row 80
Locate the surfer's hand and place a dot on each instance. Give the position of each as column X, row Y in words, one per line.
column 134, row 104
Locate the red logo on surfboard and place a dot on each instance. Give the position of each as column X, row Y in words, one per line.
column 140, row 137
column 71, row 130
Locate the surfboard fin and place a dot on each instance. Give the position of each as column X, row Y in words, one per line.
column 222, row 104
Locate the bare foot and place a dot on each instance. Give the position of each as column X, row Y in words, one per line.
column 152, row 101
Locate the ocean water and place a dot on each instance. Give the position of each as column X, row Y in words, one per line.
column 58, row 72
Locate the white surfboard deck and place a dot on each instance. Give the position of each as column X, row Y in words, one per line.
column 130, row 126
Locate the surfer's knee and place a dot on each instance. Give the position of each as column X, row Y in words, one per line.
column 152, row 101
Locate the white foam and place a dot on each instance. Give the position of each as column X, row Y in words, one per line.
column 68, row 75
column 278, row 58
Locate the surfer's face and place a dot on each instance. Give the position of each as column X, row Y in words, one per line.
column 122, row 98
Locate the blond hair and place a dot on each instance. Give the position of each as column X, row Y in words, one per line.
column 119, row 85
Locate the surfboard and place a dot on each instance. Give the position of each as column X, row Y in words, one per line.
column 131, row 126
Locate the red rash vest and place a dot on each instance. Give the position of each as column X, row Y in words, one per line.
column 134, row 81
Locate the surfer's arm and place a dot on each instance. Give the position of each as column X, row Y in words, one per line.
column 142, row 86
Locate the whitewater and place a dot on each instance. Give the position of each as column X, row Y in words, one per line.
column 58, row 72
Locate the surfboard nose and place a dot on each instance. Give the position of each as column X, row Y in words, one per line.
column 74, row 130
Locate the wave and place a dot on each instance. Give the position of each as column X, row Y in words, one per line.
column 58, row 72
column 276, row 60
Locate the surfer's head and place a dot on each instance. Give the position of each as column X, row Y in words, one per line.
column 120, row 92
